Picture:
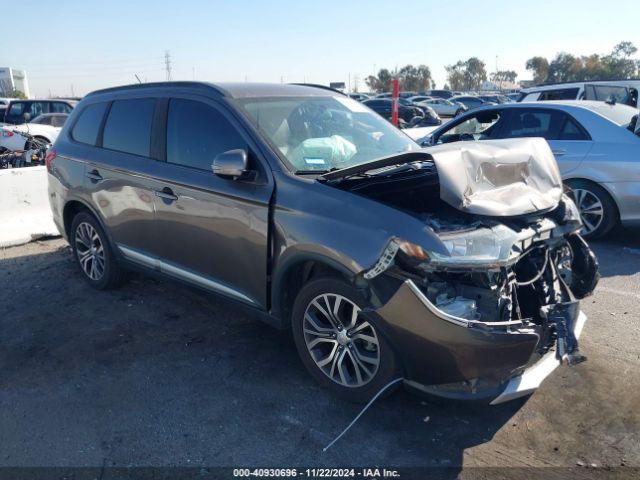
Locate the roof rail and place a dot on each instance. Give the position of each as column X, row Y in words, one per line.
column 317, row 85
column 134, row 86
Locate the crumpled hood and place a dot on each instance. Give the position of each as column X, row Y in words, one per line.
column 498, row 177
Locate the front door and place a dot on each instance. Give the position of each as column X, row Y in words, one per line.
column 213, row 230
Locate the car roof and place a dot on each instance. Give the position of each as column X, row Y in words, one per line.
column 64, row 100
column 232, row 89
column 617, row 113
column 566, row 85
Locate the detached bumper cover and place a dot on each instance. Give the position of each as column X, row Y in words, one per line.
column 437, row 349
column 532, row 377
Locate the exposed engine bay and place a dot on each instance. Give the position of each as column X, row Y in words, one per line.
column 512, row 257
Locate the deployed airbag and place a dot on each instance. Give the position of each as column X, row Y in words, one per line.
column 498, row 177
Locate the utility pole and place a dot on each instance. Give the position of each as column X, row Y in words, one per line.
column 193, row 72
column 72, row 94
column 167, row 64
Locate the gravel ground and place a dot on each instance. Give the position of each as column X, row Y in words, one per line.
column 156, row 374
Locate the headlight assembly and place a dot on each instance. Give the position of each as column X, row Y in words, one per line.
column 480, row 247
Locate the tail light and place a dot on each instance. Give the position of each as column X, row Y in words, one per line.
column 7, row 133
column 48, row 159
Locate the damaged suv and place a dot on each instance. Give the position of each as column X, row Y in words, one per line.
column 458, row 267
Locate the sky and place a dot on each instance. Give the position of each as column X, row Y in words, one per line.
column 87, row 45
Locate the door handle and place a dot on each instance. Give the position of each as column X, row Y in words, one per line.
column 167, row 194
column 94, row 176
column 559, row 153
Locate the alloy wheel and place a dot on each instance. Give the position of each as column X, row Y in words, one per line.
column 90, row 251
column 343, row 344
column 590, row 208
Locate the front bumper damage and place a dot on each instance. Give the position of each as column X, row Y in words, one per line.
column 457, row 358
column 473, row 356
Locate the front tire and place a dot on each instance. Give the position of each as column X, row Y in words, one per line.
column 341, row 349
column 597, row 209
column 93, row 254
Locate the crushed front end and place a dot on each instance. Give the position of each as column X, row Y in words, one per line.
column 492, row 307
column 476, row 325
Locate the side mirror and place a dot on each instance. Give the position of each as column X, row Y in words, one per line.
column 426, row 141
column 231, row 164
column 26, row 117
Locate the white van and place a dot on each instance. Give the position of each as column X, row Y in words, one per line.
column 623, row 91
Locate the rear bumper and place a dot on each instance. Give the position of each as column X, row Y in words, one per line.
column 489, row 360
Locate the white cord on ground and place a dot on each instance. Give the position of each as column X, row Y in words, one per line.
column 380, row 392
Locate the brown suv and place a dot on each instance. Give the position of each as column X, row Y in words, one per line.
column 454, row 268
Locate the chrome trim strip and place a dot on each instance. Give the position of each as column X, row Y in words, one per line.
column 138, row 257
column 533, row 376
column 463, row 322
column 184, row 274
column 203, row 281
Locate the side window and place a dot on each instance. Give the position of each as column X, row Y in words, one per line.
column 16, row 109
column 477, row 127
column 525, row 122
column 59, row 107
column 572, row 131
column 563, row 94
column 197, row 132
column 58, row 120
column 42, row 120
column 87, row 126
column 37, row 108
column 128, row 126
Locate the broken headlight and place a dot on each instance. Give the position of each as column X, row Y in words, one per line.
column 483, row 246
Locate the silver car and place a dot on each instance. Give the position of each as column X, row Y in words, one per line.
column 444, row 108
column 594, row 144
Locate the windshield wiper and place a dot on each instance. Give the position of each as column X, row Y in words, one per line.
column 311, row 172
column 315, row 172
column 395, row 159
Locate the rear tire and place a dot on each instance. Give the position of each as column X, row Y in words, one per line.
column 93, row 253
column 598, row 211
column 341, row 349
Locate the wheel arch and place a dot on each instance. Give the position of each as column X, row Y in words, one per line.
column 604, row 186
column 291, row 276
column 74, row 206
column 37, row 137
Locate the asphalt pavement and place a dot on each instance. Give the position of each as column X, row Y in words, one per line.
column 156, row 374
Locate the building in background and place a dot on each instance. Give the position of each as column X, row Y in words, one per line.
column 12, row 79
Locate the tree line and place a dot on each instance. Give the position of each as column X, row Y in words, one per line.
column 566, row 67
column 470, row 74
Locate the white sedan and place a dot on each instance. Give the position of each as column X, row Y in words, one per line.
column 44, row 127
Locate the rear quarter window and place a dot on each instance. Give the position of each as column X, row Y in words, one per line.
column 87, row 126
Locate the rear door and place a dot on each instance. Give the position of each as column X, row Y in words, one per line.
column 120, row 173
column 213, row 230
column 569, row 141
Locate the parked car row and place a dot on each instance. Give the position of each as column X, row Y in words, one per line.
column 29, row 121
column 411, row 114
column 45, row 128
column 16, row 109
